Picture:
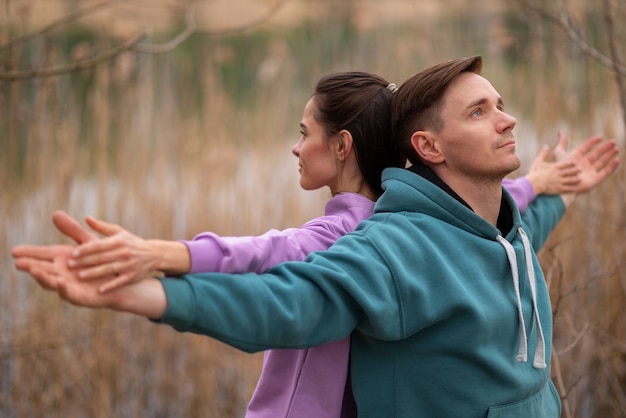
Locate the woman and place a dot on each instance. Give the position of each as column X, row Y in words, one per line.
column 344, row 145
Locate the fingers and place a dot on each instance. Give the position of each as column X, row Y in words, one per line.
column 97, row 252
column 41, row 252
column 112, row 232
column 32, row 251
column 567, row 167
column 81, row 294
column 603, row 154
column 99, row 270
column 119, row 281
column 43, row 272
column 560, row 150
column 608, row 169
column 70, row 227
column 103, row 227
column 587, row 145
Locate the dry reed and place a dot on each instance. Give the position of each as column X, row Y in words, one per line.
column 167, row 151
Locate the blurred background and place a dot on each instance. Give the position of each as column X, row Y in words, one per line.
column 173, row 117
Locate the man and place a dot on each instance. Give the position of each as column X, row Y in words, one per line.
column 440, row 288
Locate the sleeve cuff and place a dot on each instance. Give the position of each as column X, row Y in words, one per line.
column 181, row 304
column 201, row 255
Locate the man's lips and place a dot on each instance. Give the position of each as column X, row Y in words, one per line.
column 507, row 143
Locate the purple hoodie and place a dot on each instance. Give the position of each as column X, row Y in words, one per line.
column 309, row 382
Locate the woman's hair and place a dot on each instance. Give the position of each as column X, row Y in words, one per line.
column 360, row 103
column 416, row 105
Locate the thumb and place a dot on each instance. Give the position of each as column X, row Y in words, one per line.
column 103, row 227
column 560, row 150
column 543, row 154
column 71, row 228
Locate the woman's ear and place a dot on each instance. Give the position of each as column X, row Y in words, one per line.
column 427, row 147
column 344, row 144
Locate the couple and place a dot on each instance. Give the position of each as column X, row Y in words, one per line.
column 439, row 292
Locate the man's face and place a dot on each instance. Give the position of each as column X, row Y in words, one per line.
column 477, row 136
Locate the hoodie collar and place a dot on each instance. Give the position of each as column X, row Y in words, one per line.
column 505, row 217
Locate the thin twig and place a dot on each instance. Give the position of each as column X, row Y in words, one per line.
column 609, row 340
column 74, row 66
column 565, row 23
column 574, row 343
column 132, row 44
column 70, row 17
column 250, row 25
column 190, row 28
column 560, row 384
column 615, row 57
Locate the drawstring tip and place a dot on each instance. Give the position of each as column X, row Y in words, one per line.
column 539, row 365
column 520, row 358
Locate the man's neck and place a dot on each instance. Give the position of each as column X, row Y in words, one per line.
column 483, row 197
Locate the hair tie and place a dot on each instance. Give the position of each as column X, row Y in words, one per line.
column 392, row 87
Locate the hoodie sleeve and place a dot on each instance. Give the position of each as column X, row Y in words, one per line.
column 294, row 304
column 541, row 217
column 521, row 190
column 211, row 252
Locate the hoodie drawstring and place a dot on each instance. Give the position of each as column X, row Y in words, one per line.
column 539, row 361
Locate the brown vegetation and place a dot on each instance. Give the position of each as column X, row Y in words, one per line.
column 199, row 139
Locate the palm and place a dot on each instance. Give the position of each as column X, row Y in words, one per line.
column 76, row 291
column 596, row 163
column 596, row 158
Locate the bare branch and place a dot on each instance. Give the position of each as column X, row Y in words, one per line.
column 613, row 50
column 573, row 344
column 132, row 44
column 74, row 66
column 254, row 23
column 560, row 384
column 70, row 17
column 609, row 340
column 190, row 28
column 565, row 23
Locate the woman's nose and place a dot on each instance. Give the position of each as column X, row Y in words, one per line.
column 295, row 150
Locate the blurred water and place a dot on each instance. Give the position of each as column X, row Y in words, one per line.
column 199, row 139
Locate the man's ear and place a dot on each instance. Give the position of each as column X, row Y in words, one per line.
column 427, row 147
column 344, row 144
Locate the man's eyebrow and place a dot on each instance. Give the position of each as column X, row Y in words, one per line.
column 482, row 101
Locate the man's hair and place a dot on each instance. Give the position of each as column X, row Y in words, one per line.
column 416, row 105
column 360, row 103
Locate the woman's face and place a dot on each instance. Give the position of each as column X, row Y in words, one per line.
column 316, row 153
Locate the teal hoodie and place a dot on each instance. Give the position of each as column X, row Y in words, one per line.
column 439, row 303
